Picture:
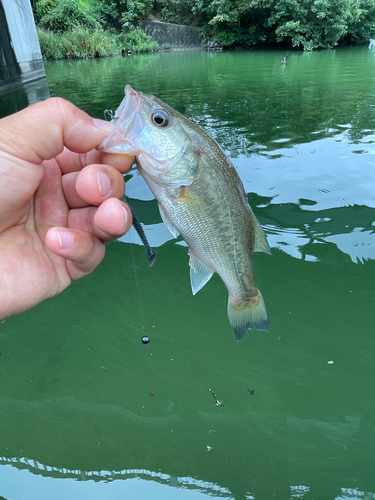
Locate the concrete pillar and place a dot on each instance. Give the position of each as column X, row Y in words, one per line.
column 20, row 56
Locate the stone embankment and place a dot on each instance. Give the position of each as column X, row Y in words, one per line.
column 174, row 36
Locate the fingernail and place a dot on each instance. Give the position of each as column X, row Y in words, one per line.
column 126, row 218
column 104, row 184
column 66, row 239
column 103, row 125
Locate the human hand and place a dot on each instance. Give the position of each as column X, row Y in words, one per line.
column 59, row 201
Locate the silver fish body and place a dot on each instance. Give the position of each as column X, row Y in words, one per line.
column 200, row 196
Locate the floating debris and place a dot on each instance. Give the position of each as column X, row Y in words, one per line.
column 330, row 362
column 217, row 402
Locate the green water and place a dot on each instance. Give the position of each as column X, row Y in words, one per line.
column 89, row 412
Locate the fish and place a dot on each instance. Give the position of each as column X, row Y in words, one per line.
column 200, row 196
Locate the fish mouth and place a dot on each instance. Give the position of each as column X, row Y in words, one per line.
column 129, row 106
column 120, row 140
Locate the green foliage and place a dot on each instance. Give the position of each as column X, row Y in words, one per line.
column 62, row 15
column 79, row 43
column 135, row 10
column 42, row 8
column 50, row 45
column 80, row 29
column 136, row 40
column 237, row 23
column 320, row 23
column 362, row 23
column 191, row 12
column 308, row 24
column 82, row 43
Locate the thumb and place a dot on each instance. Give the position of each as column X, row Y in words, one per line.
column 41, row 131
column 33, row 135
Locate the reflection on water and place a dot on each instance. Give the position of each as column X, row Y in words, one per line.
column 131, row 483
column 80, row 392
column 134, row 483
column 17, row 98
column 325, row 201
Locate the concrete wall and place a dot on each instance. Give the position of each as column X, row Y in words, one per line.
column 176, row 35
column 20, row 56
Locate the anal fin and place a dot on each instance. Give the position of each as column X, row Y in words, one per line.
column 199, row 274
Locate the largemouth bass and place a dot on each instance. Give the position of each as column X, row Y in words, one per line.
column 200, row 196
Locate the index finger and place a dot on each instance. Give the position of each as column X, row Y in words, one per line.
column 73, row 162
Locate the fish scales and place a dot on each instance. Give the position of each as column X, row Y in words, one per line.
column 200, row 196
column 209, row 213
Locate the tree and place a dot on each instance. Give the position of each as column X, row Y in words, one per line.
column 314, row 24
column 300, row 23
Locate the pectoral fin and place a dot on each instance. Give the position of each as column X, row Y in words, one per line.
column 167, row 222
column 199, row 274
column 261, row 243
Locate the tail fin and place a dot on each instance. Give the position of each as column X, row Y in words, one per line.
column 244, row 316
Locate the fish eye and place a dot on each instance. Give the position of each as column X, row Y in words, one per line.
column 160, row 118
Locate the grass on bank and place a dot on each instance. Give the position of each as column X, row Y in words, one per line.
column 83, row 43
